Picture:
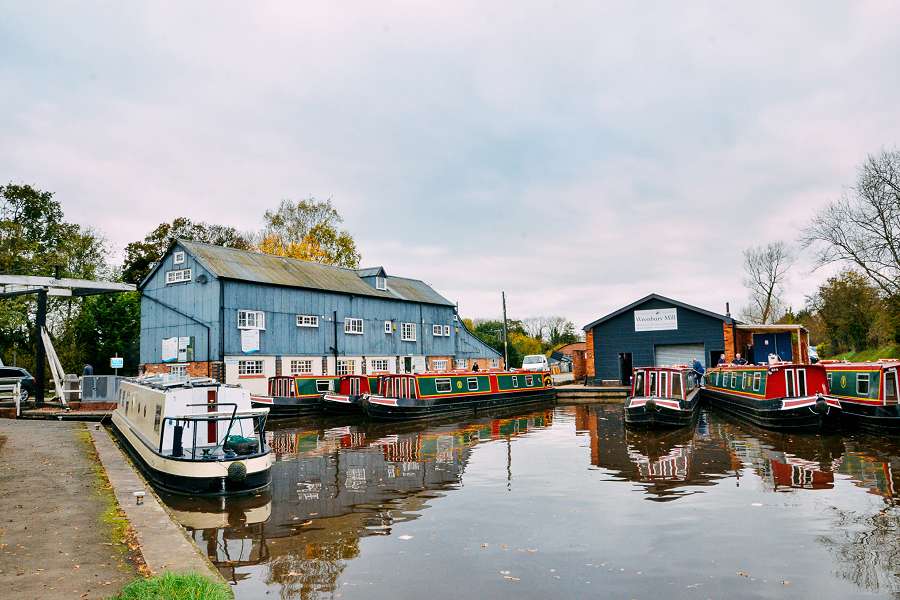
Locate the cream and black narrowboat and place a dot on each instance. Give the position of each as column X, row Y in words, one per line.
column 783, row 396
column 194, row 436
column 663, row 397
column 426, row 395
column 296, row 395
column 868, row 393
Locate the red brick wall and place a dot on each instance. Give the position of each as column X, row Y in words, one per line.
column 589, row 371
column 194, row 369
column 579, row 365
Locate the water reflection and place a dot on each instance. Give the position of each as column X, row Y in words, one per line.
column 338, row 489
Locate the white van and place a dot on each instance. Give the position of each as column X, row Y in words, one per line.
column 535, row 362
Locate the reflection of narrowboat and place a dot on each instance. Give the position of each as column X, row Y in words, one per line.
column 867, row 392
column 425, row 395
column 194, row 436
column 781, row 396
column 295, row 395
column 663, row 397
column 351, row 389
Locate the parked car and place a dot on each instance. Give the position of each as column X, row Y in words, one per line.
column 535, row 362
column 25, row 379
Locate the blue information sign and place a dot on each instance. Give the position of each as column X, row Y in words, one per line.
column 117, row 362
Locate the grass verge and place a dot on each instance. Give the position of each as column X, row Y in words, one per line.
column 175, row 586
column 889, row 351
column 113, row 518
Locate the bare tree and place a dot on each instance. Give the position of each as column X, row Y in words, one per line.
column 765, row 268
column 863, row 227
column 535, row 327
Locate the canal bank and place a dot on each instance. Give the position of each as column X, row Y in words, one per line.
column 72, row 527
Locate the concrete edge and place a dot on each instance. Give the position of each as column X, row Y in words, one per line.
column 165, row 543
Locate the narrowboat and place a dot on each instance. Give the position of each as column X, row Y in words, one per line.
column 867, row 392
column 426, row 395
column 295, row 395
column 351, row 389
column 784, row 396
column 194, row 436
column 663, row 397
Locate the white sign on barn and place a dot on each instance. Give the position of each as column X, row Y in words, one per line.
column 661, row 319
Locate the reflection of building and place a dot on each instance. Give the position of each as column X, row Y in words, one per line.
column 880, row 475
column 332, row 487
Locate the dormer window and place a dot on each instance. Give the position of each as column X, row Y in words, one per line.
column 380, row 282
column 178, row 258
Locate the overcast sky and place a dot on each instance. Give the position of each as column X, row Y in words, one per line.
column 579, row 156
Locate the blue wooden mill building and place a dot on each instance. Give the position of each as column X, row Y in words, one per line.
column 242, row 316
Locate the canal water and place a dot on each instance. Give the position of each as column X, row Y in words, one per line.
column 560, row 502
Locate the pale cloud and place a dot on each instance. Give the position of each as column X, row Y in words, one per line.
column 577, row 156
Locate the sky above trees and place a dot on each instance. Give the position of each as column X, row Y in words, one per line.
column 579, row 157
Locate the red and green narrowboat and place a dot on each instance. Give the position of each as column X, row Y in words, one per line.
column 663, row 397
column 784, row 396
column 426, row 395
column 868, row 393
column 351, row 389
column 295, row 395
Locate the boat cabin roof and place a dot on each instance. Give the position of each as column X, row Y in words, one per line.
column 167, row 382
column 679, row 368
column 885, row 363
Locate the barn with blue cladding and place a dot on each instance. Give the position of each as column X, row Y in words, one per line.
column 654, row 330
column 243, row 316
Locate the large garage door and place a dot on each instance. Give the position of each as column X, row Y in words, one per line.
column 679, row 354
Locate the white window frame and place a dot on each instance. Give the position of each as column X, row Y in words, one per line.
column 251, row 319
column 178, row 276
column 515, row 381
column 446, row 331
column 389, row 327
column 178, row 258
column 469, row 383
column 734, row 379
column 757, row 381
column 441, row 364
column 868, row 380
column 307, row 321
column 379, row 364
column 323, row 385
column 251, row 366
column 405, row 329
column 437, row 331
column 353, row 326
column 341, row 367
column 380, row 283
column 178, row 370
column 444, row 382
column 301, row 366
column 461, row 363
column 495, row 363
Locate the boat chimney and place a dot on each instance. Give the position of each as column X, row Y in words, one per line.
column 728, row 310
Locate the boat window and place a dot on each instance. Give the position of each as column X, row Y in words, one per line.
column 890, row 388
column 354, row 386
column 801, row 382
column 757, row 381
column 676, row 385
column 862, row 385
column 473, row 384
column 663, row 384
column 639, row 383
column 652, row 387
column 323, row 385
column 515, row 381
column 734, row 380
column 442, row 385
column 529, row 381
column 157, row 418
column 789, row 383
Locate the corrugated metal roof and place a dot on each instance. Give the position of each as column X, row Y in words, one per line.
column 257, row 267
column 370, row 272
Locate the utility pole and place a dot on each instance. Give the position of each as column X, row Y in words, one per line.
column 505, row 334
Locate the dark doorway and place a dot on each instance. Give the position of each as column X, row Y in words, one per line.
column 407, row 364
column 625, row 368
column 714, row 357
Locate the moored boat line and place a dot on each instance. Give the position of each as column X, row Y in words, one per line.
column 868, row 393
column 663, row 397
column 786, row 396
